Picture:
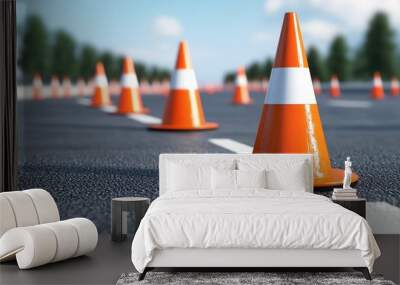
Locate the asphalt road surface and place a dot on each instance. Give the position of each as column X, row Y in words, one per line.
column 85, row 156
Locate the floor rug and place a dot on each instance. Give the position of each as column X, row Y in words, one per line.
column 243, row 278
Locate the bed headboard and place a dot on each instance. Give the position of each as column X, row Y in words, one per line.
column 209, row 158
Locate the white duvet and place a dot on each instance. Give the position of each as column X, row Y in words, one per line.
column 250, row 219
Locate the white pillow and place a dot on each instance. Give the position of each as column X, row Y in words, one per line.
column 251, row 178
column 281, row 174
column 223, row 179
column 184, row 177
column 294, row 179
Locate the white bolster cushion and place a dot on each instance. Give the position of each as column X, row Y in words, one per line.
column 23, row 208
column 26, row 208
column 45, row 205
column 37, row 245
column 33, row 246
column 7, row 219
column 87, row 234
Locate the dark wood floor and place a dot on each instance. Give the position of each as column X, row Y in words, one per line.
column 110, row 260
column 103, row 266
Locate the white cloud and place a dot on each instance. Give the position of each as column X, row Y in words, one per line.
column 167, row 26
column 261, row 37
column 354, row 14
column 272, row 6
column 319, row 30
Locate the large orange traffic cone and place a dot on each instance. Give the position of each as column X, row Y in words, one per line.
column 37, row 87
column 54, row 86
column 394, row 87
column 66, row 84
column 130, row 100
column 290, row 121
column 101, row 97
column 317, row 86
column 241, row 95
column 183, row 110
column 377, row 92
column 335, row 86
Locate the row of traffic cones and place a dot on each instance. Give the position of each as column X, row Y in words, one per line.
column 183, row 110
column 56, row 89
column 289, row 123
column 377, row 91
column 290, row 120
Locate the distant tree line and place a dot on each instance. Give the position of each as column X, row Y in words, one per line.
column 378, row 52
column 59, row 54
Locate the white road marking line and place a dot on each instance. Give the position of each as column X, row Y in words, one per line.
column 84, row 101
column 145, row 119
column 232, row 145
column 109, row 109
column 383, row 218
column 350, row 104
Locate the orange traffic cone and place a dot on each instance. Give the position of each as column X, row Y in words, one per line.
column 335, row 86
column 81, row 87
column 145, row 87
column 317, row 86
column 377, row 92
column 290, row 121
column 394, row 87
column 183, row 110
column 66, row 84
column 130, row 100
column 101, row 97
column 37, row 87
column 54, row 86
column 241, row 95
column 264, row 85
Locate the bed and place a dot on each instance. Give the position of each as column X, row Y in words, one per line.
column 245, row 211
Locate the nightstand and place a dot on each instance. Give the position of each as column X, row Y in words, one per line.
column 126, row 214
column 357, row 205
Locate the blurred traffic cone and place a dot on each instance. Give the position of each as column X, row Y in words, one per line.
column 335, row 86
column 165, row 87
column 101, row 97
column 317, row 86
column 37, row 87
column 66, row 84
column 394, row 87
column 377, row 92
column 81, row 87
column 54, row 86
column 290, row 121
column 145, row 87
column 264, row 85
column 183, row 110
column 130, row 100
column 241, row 95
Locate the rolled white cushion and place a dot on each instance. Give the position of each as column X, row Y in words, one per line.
column 7, row 219
column 37, row 245
column 45, row 205
column 87, row 234
column 23, row 208
column 67, row 240
column 33, row 246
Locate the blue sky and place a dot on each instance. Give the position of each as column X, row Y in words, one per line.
column 222, row 34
